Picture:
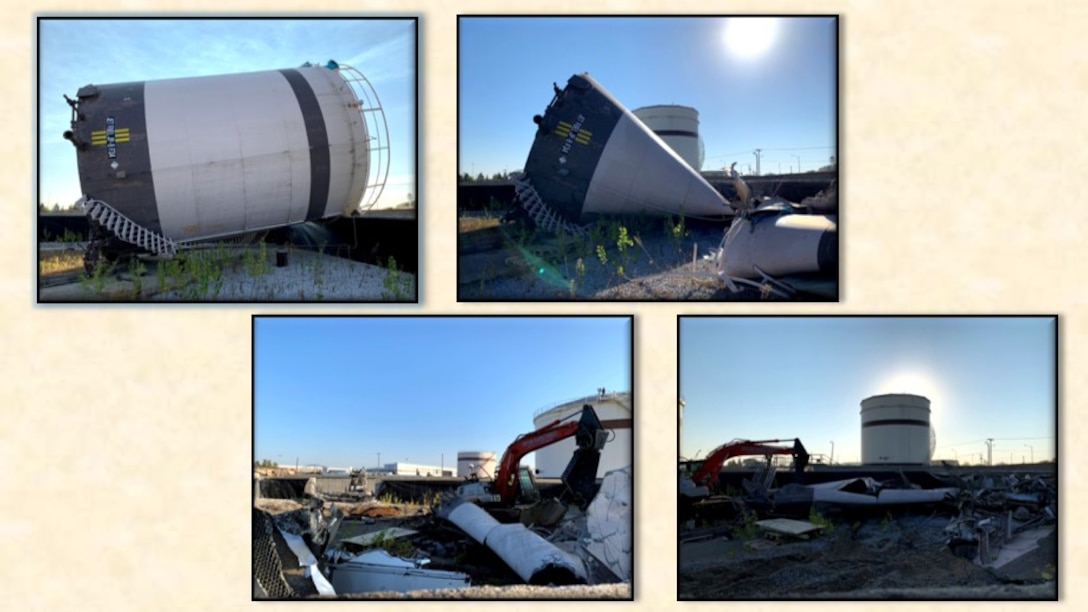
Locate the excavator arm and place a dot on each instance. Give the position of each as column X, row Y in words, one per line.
column 707, row 474
column 588, row 433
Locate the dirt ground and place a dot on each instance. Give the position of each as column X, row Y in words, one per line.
column 501, row 263
column 891, row 558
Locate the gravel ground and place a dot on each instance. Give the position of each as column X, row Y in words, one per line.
column 903, row 558
column 520, row 591
column 661, row 268
column 307, row 277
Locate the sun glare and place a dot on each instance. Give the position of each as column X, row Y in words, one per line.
column 750, row 37
column 915, row 382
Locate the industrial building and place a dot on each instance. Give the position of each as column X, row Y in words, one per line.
column 413, row 469
column 613, row 409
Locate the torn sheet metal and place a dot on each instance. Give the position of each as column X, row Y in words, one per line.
column 859, row 492
column 608, row 523
column 367, row 539
column 533, row 558
column 377, row 570
column 307, row 560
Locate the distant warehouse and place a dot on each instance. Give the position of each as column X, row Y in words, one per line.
column 416, row 469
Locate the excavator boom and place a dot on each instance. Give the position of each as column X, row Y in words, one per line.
column 588, row 433
column 707, row 474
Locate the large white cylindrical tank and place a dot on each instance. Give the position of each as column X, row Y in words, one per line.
column 481, row 464
column 613, row 409
column 591, row 156
column 203, row 157
column 678, row 126
column 895, row 429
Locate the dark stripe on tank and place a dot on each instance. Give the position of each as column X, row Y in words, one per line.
column 318, row 139
column 884, row 422
column 827, row 252
column 130, row 187
column 676, row 133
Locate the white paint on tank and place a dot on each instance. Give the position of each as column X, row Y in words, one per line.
column 347, row 139
column 613, row 406
column 788, row 245
column 891, row 442
column 675, row 118
column 637, row 171
column 482, row 464
column 230, row 153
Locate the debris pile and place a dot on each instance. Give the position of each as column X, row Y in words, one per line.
column 315, row 547
column 993, row 510
column 982, row 533
column 779, row 246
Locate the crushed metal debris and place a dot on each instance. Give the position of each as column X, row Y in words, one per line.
column 981, row 531
column 341, row 545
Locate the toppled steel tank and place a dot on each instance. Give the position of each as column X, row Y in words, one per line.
column 179, row 160
column 592, row 156
column 781, row 246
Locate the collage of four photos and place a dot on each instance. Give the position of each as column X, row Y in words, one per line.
column 276, row 160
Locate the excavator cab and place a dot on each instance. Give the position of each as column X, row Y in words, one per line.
column 527, row 491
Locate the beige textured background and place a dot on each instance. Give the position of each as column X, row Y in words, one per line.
column 125, row 443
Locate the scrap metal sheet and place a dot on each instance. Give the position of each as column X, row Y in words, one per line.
column 608, row 522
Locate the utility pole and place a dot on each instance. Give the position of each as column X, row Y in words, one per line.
column 832, row 460
column 989, row 451
column 798, row 163
column 379, row 461
column 757, row 153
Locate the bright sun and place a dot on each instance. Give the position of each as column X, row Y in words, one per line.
column 750, row 37
column 915, row 382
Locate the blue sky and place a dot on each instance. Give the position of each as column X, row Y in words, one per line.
column 782, row 99
column 802, row 377
column 74, row 53
column 338, row 391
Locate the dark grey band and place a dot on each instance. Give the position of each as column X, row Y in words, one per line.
column 827, row 252
column 130, row 187
column 318, row 138
column 895, row 422
column 676, row 133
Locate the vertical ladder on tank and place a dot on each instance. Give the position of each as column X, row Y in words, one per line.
column 126, row 229
column 541, row 214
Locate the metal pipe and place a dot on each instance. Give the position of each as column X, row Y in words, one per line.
column 533, row 558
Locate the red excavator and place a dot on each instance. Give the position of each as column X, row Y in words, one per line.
column 514, row 483
column 706, row 476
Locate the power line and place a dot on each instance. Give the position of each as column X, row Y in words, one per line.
column 799, row 149
column 746, row 152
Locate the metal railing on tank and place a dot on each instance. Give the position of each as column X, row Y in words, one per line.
column 377, row 131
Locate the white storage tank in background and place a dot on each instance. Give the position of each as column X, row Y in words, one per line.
column 895, row 429
column 482, row 464
column 613, row 408
column 678, row 126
